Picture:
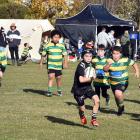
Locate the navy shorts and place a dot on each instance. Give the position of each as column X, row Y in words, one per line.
column 121, row 87
column 86, row 93
column 56, row 72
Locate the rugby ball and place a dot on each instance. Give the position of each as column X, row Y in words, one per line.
column 90, row 72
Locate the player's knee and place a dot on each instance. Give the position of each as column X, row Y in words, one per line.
column 51, row 77
column 96, row 100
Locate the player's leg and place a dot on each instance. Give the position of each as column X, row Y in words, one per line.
column 119, row 98
column 58, row 75
column 105, row 95
column 81, row 104
column 96, row 102
column 97, row 90
column 51, row 77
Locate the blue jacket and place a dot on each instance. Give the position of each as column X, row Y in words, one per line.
column 15, row 36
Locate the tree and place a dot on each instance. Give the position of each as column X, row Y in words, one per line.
column 10, row 10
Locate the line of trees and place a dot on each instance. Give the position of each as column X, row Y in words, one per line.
column 52, row 9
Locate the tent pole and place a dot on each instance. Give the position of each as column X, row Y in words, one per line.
column 96, row 32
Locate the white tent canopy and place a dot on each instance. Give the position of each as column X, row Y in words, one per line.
column 31, row 32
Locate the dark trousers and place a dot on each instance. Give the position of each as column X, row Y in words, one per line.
column 103, row 89
column 14, row 53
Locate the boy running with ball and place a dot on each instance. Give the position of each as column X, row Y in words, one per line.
column 82, row 88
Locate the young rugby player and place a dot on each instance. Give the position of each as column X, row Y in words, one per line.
column 101, row 82
column 118, row 70
column 56, row 59
column 82, row 87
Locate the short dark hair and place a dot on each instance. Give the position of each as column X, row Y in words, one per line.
column 117, row 48
column 103, row 28
column 101, row 47
column 55, row 32
column 86, row 51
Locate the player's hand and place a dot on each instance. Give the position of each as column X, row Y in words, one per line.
column 65, row 66
column 109, row 63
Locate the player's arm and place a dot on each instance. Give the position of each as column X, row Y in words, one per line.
column 107, row 67
column 83, row 79
column 65, row 58
column 65, row 62
column 136, row 69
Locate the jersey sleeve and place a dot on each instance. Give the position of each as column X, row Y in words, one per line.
column 80, row 70
column 130, row 62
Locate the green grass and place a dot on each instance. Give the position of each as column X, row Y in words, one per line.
column 26, row 114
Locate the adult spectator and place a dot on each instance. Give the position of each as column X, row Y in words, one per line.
column 125, row 42
column 14, row 39
column 111, row 37
column 3, row 41
column 3, row 58
column 103, row 38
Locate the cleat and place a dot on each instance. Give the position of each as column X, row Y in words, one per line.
column 83, row 120
column 48, row 94
column 94, row 122
column 59, row 93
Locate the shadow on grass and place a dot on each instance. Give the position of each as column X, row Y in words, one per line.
column 65, row 122
column 135, row 117
column 133, row 101
column 40, row 92
column 108, row 111
column 75, row 104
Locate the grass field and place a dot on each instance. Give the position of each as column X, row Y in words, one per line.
column 26, row 114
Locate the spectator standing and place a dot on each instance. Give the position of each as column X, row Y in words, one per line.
column 125, row 42
column 14, row 39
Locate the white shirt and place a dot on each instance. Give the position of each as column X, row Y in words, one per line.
column 112, row 39
column 103, row 39
column 80, row 44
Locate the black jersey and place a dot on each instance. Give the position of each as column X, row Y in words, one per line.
column 80, row 71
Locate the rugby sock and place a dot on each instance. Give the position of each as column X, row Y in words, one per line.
column 81, row 114
column 120, row 102
column 94, row 116
column 59, row 89
column 117, row 102
column 50, row 89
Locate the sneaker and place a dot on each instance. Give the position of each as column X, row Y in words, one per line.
column 49, row 94
column 120, row 110
column 94, row 122
column 83, row 120
column 59, row 93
